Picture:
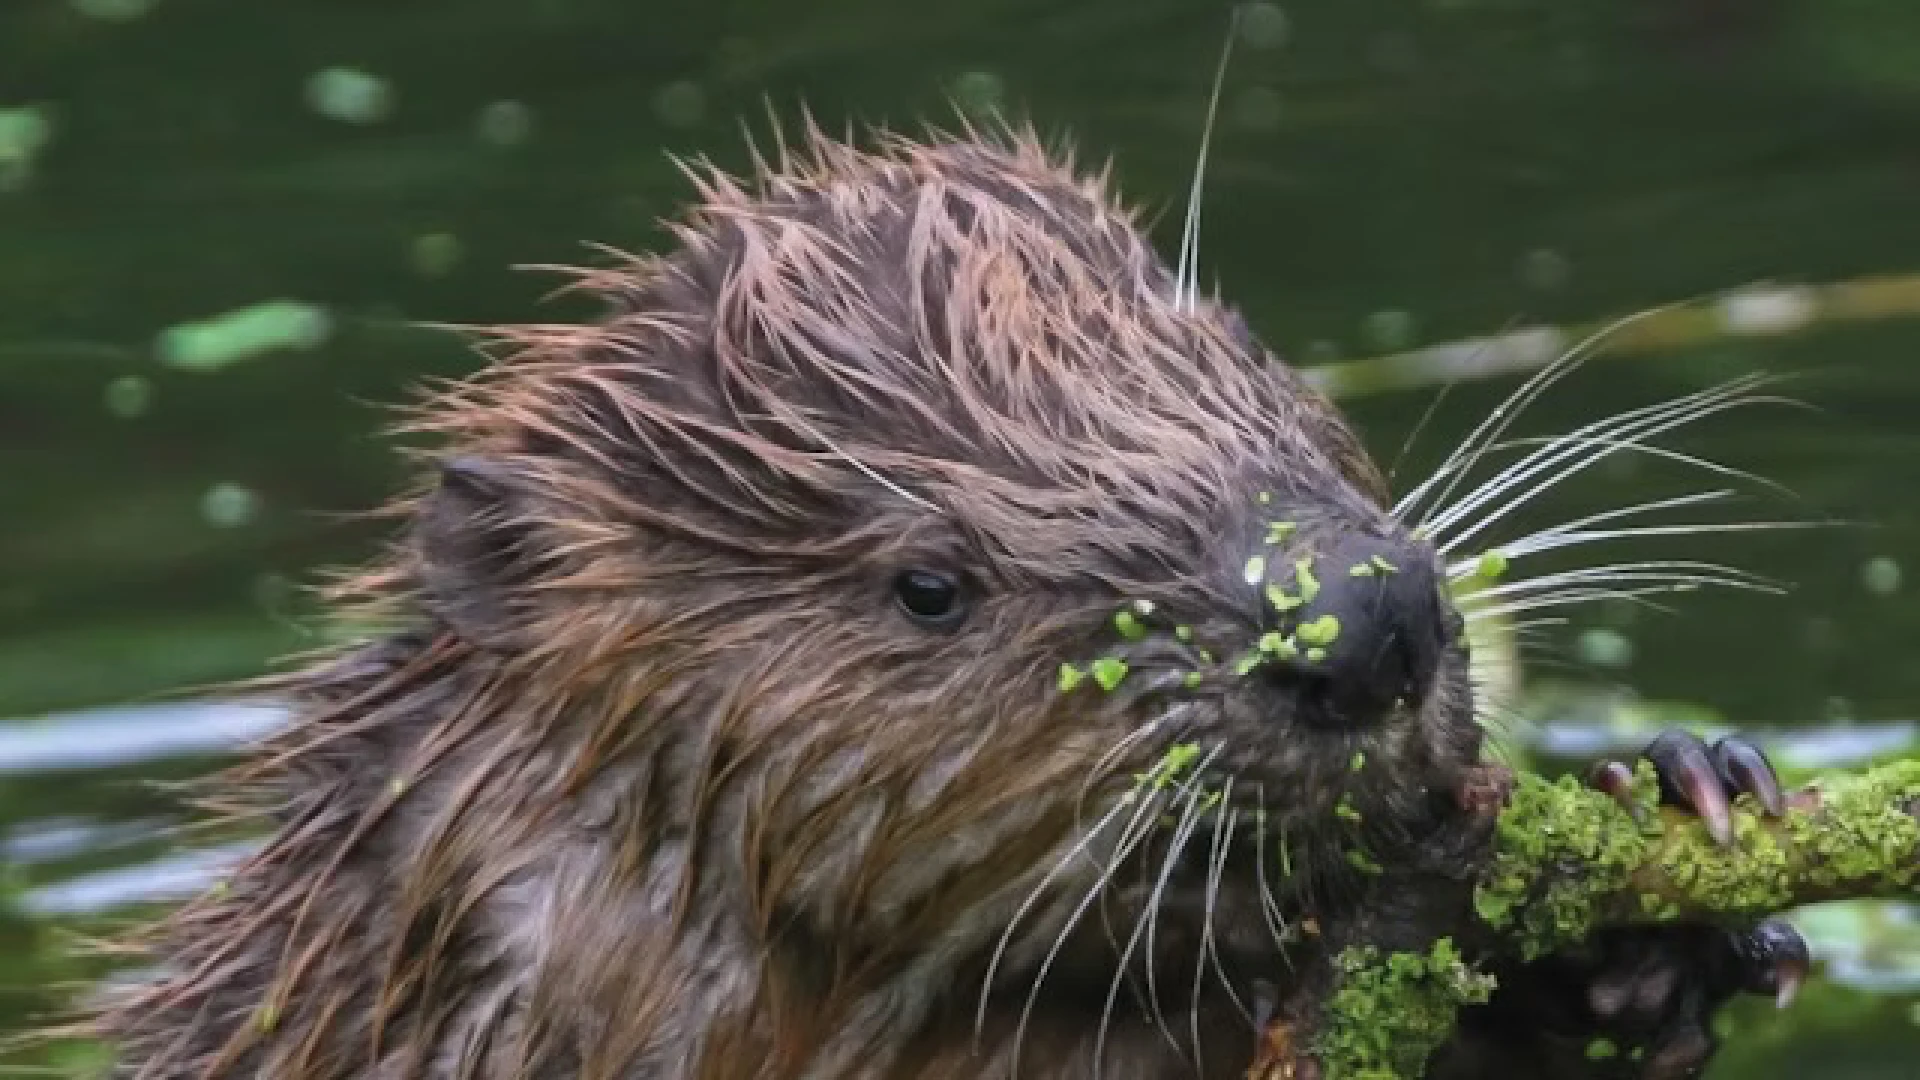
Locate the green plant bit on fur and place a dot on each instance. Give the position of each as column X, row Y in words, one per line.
column 1192, row 680
column 1359, row 761
column 1303, row 574
column 1276, row 644
column 1384, row 566
column 1246, row 664
column 1278, row 531
column 1360, row 570
column 1281, row 600
column 1256, row 570
column 1316, row 654
column 1177, row 759
column 1070, row 678
column 1321, row 631
column 1183, row 633
column 1108, row 671
column 1264, row 498
column 1344, row 810
column 1129, row 625
column 1490, row 566
column 1602, row 1050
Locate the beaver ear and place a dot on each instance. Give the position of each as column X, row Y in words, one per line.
column 472, row 538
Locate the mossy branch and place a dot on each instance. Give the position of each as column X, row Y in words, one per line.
column 1568, row 860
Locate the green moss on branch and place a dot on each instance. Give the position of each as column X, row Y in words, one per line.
column 1567, row 860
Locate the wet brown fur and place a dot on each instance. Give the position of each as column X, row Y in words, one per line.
column 649, row 778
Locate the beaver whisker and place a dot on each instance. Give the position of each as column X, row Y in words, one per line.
column 1269, row 906
column 1149, row 917
column 1465, row 456
column 1138, row 828
column 1098, row 773
column 1577, row 596
column 1544, row 542
column 1673, row 571
column 1573, row 453
column 1039, row 889
column 1224, row 826
column 1628, row 428
column 1516, row 548
column 1190, row 786
column 1187, row 268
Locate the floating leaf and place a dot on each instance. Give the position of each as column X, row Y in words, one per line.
column 243, row 334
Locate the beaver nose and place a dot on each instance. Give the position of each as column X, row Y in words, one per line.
column 1368, row 630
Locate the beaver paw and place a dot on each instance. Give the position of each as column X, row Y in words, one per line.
column 1639, row 1002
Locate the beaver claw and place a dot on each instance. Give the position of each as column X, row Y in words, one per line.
column 1639, row 1001
column 1701, row 779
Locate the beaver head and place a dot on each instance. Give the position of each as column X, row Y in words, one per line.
column 905, row 618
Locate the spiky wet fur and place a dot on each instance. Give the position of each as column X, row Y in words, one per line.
column 650, row 778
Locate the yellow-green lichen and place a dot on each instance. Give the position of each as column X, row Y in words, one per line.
column 1560, row 848
column 1391, row 1011
column 1568, row 858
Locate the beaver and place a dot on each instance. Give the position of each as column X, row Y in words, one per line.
column 909, row 633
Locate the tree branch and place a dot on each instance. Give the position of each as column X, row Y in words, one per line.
column 1566, row 860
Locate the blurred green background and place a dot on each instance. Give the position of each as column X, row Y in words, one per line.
column 223, row 222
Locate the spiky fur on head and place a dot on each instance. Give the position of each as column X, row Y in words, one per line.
column 653, row 778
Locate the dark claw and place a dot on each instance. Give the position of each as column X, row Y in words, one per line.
column 1773, row 959
column 1690, row 779
column 1615, row 779
column 1744, row 768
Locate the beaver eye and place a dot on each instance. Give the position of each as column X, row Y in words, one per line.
column 929, row 597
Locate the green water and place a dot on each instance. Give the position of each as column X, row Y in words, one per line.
column 1385, row 175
